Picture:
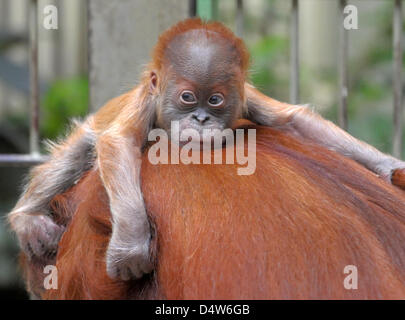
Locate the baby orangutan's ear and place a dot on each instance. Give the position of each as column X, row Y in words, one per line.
column 153, row 81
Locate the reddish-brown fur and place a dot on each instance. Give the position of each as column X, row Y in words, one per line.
column 398, row 178
column 285, row 232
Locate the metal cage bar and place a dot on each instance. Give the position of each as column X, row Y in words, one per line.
column 34, row 84
column 343, row 77
column 34, row 157
column 294, row 43
column 397, row 78
column 21, row 160
column 239, row 18
column 192, row 8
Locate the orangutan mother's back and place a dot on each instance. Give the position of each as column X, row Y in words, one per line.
column 286, row 232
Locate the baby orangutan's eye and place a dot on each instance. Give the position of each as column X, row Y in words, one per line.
column 188, row 97
column 216, row 100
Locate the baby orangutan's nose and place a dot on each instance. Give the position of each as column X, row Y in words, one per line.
column 201, row 117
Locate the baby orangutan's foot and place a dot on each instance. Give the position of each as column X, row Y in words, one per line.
column 128, row 260
column 38, row 235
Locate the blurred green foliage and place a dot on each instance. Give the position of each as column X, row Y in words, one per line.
column 65, row 99
column 266, row 54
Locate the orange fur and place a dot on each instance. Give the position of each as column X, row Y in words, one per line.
column 398, row 178
column 285, row 232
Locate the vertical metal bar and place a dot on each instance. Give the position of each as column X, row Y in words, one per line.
column 294, row 77
column 4, row 25
column 239, row 18
column 92, row 107
column 397, row 78
column 192, row 8
column 58, row 42
column 34, row 85
column 343, row 77
column 4, row 14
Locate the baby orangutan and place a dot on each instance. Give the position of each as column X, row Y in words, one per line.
column 197, row 77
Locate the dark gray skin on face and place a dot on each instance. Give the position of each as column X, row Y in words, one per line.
column 205, row 64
